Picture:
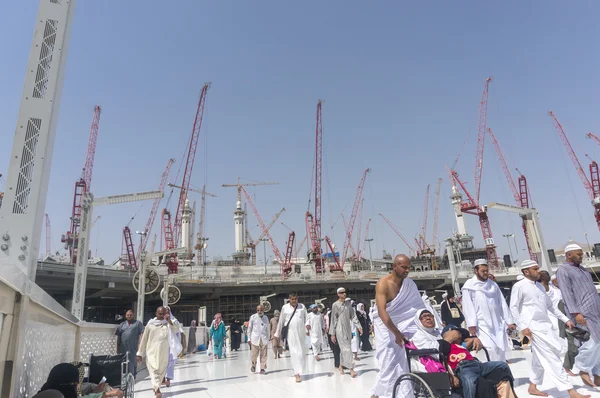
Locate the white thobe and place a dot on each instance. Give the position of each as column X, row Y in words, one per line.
column 392, row 357
column 155, row 345
column 485, row 308
column 317, row 324
column 529, row 305
column 555, row 297
column 296, row 337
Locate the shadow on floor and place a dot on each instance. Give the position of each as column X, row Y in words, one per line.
column 277, row 371
column 176, row 393
column 315, row 375
column 363, row 371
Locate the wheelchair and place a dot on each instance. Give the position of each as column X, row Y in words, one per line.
column 115, row 368
column 427, row 385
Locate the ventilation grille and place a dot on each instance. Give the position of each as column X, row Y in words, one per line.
column 43, row 69
column 23, row 190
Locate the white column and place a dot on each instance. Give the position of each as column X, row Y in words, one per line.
column 81, row 267
column 22, row 212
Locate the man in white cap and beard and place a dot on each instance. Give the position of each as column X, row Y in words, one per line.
column 530, row 305
column 486, row 312
column 582, row 305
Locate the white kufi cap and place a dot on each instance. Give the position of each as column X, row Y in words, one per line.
column 480, row 262
column 445, row 295
column 572, row 247
column 340, row 289
column 528, row 264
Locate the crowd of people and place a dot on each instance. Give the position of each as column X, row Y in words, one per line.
column 555, row 315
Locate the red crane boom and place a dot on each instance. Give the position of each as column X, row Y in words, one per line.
column 357, row 201
column 593, row 137
column 83, row 185
column 189, row 166
column 287, row 264
column 398, row 233
column 318, row 171
column 263, row 228
column 483, row 105
column 591, row 185
column 154, row 210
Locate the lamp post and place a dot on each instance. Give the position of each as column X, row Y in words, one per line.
column 507, row 236
column 264, row 241
column 370, row 253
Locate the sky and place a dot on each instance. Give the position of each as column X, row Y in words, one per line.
column 401, row 84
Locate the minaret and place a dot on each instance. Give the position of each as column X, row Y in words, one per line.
column 238, row 218
column 465, row 240
column 186, row 216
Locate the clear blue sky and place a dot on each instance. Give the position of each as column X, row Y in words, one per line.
column 401, row 84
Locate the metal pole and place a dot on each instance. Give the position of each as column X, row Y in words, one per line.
column 516, row 248
column 507, row 236
column 370, row 253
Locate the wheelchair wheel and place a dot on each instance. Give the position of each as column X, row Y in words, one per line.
column 412, row 383
column 129, row 386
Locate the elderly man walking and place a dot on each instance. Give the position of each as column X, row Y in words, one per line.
column 258, row 330
column 582, row 306
column 128, row 335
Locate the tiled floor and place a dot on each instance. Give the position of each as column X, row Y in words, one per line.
column 198, row 376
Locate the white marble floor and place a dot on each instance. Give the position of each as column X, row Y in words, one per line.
column 198, row 376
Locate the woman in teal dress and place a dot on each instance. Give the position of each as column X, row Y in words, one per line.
column 217, row 334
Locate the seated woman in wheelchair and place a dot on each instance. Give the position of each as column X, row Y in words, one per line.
column 481, row 379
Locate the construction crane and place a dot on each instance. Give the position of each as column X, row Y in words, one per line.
column 521, row 195
column 592, row 185
column 173, row 233
column 200, row 191
column 241, row 186
column 83, row 185
column 287, row 262
column 48, row 236
column 398, row 233
column 357, row 201
column 153, row 211
column 313, row 222
column 252, row 245
column 471, row 206
column 354, row 254
column 302, row 242
column 357, row 255
column 263, row 227
column 200, row 238
column 593, row 137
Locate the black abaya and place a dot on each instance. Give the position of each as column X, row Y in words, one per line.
column 365, row 324
column 236, row 338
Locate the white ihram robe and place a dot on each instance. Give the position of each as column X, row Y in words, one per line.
column 317, row 324
column 296, row 337
column 485, row 308
column 529, row 305
column 392, row 357
column 155, row 344
column 555, row 297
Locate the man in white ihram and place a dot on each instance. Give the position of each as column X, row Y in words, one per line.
column 315, row 325
column 293, row 320
column 259, row 332
column 397, row 299
column 486, row 312
column 529, row 305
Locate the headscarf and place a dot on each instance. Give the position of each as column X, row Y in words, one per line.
column 276, row 313
column 64, row 377
column 425, row 338
column 218, row 319
column 360, row 307
column 193, row 325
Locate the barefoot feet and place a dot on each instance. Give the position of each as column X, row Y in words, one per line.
column 534, row 391
column 587, row 380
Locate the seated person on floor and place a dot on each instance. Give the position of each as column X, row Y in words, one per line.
column 477, row 379
column 63, row 380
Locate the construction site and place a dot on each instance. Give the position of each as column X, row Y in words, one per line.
column 171, row 265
